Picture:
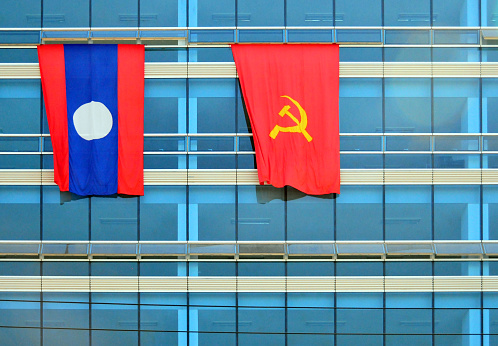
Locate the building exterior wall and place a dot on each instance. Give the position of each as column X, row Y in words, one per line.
column 405, row 255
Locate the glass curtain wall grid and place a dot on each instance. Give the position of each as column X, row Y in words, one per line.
column 406, row 254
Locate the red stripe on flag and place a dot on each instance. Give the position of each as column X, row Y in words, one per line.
column 130, row 119
column 53, row 78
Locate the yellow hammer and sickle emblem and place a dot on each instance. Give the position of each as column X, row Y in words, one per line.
column 300, row 126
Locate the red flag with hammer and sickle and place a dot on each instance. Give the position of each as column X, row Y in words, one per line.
column 291, row 92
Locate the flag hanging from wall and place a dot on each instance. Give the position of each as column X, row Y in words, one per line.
column 291, row 93
column 94, row 98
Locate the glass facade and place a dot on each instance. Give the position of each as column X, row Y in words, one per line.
column 405, row 255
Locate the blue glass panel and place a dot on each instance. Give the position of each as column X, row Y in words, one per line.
column 212, row 36
column 19, row 37
column 212, row 13
column 260, row 35
column 310, row 13
column 260, row 213
column 309, row 339
column 261, row 269
column 489, row 13
column 408, row 105
column 490, row 105
column 163, row 162
column 114, row 268
column 448, row 268
column 20, row 104
column 211, row 105
column 18, row 56
column 310, row 300
column 347, row 13
column 263, row 320
column 490, row 212
column 456, row 36
column 408, row 161
column 163, row 213
column 310, row 35
column 310, row 269
column 260, row 13
column 19, row 144
column 409, row 321
column 457, row 321
column 162, row 13
column 309, row 217
column 459, row 13
column 367, row 161
column 456, row 105
column 360, row 54
column 66, row 315
column 310, row 321
column 19, row 161
column 456, row 212
column 208, row 319
column 210, row 54
column 408, row 211
column 211, row 269
column 359, row 200
column 165, row 55
column 359, row 269
column 64, row 220
column 59, row 337
column 408, row 268
column 408, row 340
column 459, row 54
column 114, row 218
column 19, row 268
column 66, row 13
column 20, row 314
column 260, row 339
column 262, row 299
column 360, row 321
column 407, row 13
column 21, row 14
column 212, row 299
column 106, row 338
column 65, row 268
column 165, row 106
column 457, row 161
column 360, row 105
column 407, row 54
column 409, row 300
column 20, row 212
column 359, row 36
column 114, row 13
column 211, row 213
column 408, row 37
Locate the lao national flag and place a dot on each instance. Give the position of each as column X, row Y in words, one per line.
column 94, row 98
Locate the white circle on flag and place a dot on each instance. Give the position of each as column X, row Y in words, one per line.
column 93, row 120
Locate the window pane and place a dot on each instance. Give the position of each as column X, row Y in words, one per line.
column 20, row 212
column 490, row 105
column 490, row 212
column 359, row 200
column 21, row 14
column 360, row 105
column 456, row 105
column 261, row 213
column 408, row 212
column 20, row 105
column 309, row 217
column 165, row 106
column 163, row 213
column 212, row 105
column 114, row 218
column 309, row 13
column 66, row 13
column 489, row 13
column 64, row 220
column 260, row 13
column 157, row 13
column 408, row 105
column 212, row 13
column 347, row 13
column 212, row 213
column 114, row 13
column 456, row 213
column 407, row 13
column 459, row 13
